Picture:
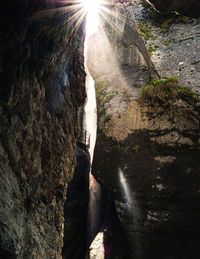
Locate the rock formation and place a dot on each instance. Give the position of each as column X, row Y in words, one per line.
column 146, row 69
column 147, row 149
column 76, row 207
column 42, row 87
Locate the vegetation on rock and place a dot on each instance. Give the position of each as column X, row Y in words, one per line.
column 167, row 91
column 145, row 30
column 107, row 117
column 100, row 86
column 102, row 99
column 164, row 21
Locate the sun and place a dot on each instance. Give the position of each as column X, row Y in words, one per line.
column 92, row 9
column 91, row 5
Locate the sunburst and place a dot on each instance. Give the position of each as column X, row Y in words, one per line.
column 95, row 12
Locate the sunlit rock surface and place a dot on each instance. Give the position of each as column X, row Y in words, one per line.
column 147, row 153
column 173, row 41
column 118, row 56
column 97, row 248
column 42, row 86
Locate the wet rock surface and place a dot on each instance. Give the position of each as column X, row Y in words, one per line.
column 42, row 87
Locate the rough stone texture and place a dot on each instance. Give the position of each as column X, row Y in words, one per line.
column 187, row 7
column 42, row 87
column 97, row 248
column 150, row 165
column 147, row 153
column 84, row 218
column 109, row 240
column 118, row 56
column 175, row 43
column 76, row 208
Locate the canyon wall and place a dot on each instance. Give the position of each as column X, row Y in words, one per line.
column 42, row 87
column 147, row 151
column 148, row 145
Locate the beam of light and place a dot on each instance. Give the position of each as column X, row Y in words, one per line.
column 76, row 11
column 90, row 113
column 125, row 188
column 92, row 8
column 96, row 249
column 129, row 198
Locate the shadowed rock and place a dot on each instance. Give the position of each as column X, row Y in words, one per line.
column 186, row 7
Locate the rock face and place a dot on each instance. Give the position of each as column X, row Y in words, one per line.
column 150, row 165
column 173, row 42
column 147, row 149
column 186, row 7
column 153, row 174
column 42, row 86
column 76, row 208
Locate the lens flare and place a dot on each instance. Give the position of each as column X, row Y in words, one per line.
column 92, row 8
column 91, row 5
column 96, row 12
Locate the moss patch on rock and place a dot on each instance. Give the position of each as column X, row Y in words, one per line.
column 107, row 117
column 102, row 99
column 163, row 20
column 167, row 91
column 145, row 30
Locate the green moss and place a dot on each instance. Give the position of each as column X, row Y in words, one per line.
column 171, row 19
column 102, row 99
column 107, row 117
column 164, row 81
column 166, row 43
column 100, row 86
column 166, row 91
column 164, row 21
column 152, row 48
column 145, row 30
column 108, row 98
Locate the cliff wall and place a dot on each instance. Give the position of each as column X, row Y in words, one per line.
column 147, row 149
column 42, row 87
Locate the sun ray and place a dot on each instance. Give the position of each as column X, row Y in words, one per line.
column 78, row 11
